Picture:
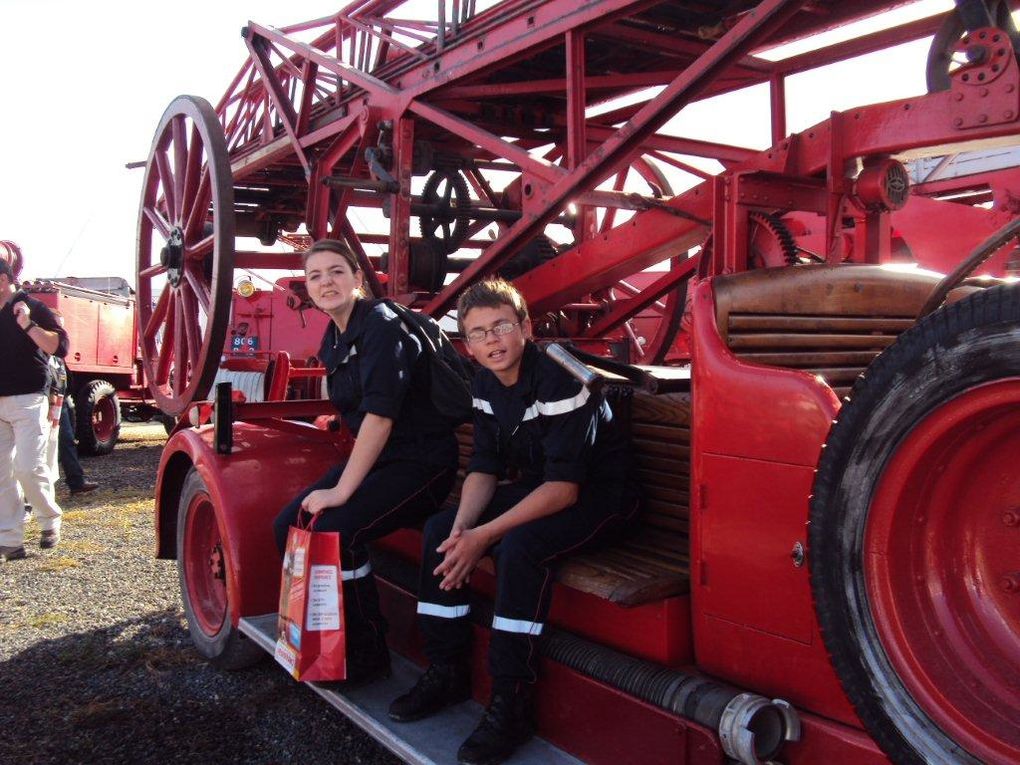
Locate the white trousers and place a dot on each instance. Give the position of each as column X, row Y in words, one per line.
column 24, row 441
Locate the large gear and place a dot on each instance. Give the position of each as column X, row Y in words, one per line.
column 770, row 243
column 447, row 227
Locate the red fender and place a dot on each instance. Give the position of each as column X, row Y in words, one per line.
column 270, row 464
column 756, row 438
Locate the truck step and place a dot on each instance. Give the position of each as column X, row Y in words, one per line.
column 433, row 741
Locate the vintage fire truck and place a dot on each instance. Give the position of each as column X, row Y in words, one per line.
column 822, row 394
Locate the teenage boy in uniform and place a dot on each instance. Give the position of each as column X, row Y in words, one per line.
column 549, row 475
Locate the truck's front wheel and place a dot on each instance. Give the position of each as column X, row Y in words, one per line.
column 915, row 534
column 203, row 572
column 97, row 417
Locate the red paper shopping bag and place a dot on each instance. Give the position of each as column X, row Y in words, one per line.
column 310, row 634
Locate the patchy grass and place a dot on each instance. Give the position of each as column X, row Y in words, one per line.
column 83, row 547
column 49, row 619
column 54, row 565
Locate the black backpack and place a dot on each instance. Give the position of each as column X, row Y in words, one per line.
column 449, row 373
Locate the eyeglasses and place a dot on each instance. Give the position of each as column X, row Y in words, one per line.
column 503, row 328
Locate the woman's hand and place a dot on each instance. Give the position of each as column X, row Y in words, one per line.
column 22, row 314
column 322, row 499
column 462, row 549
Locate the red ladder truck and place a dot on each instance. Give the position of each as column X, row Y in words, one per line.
column 827, row 566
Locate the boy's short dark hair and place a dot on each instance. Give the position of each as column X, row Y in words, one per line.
column 491, row 293
column 7, row 270
column 333, row 245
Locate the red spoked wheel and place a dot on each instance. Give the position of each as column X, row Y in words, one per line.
column 185, row 254
column 204, row 578
column 915, row 538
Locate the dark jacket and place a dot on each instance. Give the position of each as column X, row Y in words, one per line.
column 376, row 366
column 545, row 427
column 25, row 367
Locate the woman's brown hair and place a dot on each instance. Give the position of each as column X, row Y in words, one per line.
column 332, row 245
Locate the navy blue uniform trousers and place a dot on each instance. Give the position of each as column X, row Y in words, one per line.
column 525, row 568
column 395, row 495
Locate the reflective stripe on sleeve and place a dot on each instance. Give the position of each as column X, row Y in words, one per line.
column 482, row 405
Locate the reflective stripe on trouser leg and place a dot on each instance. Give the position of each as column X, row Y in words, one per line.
column 518, row 626
column 442, row 614
column 358, row 573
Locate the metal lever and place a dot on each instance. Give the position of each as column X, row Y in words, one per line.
column 577, row 369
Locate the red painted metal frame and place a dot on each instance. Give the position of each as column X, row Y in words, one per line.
column 335, row 91
column 244, row 516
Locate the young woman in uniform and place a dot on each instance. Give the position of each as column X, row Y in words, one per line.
column 404, row 460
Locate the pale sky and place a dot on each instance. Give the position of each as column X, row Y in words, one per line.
column 84, row 84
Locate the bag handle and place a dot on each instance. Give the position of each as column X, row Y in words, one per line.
column 310, row 526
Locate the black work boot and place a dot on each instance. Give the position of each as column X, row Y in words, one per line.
column 506, row 725
column 441, row 686
column 366, row 663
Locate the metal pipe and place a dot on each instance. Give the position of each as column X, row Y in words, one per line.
column 751, row 728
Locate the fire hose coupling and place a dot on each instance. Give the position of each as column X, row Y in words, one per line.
column 753, row 729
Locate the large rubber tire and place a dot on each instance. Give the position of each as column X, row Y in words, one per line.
column 914, row 538
column 97, row 417
column 202, row 570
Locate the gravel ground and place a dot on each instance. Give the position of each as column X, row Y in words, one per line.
column 96, row 665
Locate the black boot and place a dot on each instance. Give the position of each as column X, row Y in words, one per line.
column 506, row 725
column 441, row 686
column 366, row 662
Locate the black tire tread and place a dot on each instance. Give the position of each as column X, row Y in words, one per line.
column 86, row 399
column 229, row 649
column 943, row 334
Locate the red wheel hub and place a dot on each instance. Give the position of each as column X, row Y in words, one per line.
column 204, row 565
column 942, row 568
column 104, row 418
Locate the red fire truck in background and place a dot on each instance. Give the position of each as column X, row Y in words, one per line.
column 105, row 381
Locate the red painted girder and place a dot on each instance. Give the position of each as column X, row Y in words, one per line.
column 876, row 41
column 659, row 142
column 558, row 85
column 859, row 46
column 678, row 47
column 646, row 239
column 913, row 127
column 621, row 147
column 493, row 143
column 326, row 61
column 281, row 100
column 626, row 309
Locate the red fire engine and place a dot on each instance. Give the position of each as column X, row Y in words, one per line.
column 827, row 568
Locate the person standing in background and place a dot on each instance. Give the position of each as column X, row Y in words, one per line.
column 29, row 334
column 62, row 446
